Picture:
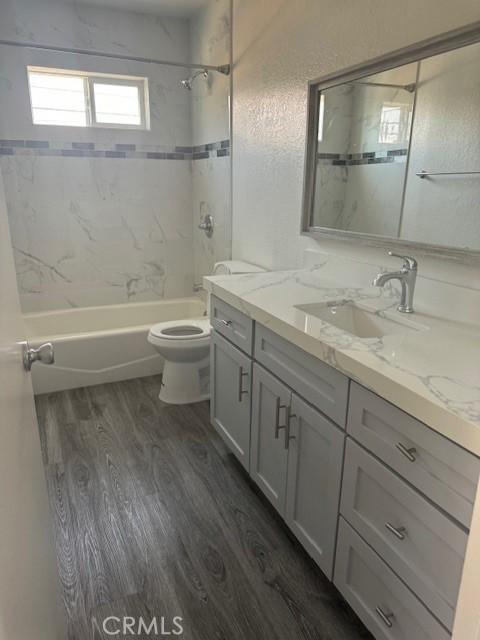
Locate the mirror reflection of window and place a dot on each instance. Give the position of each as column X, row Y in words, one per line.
column 361, row 155
column 395, row 121
column 321, row 117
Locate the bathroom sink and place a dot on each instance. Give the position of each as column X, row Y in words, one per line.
column 358, row 321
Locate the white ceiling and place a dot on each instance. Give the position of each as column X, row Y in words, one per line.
column 174, row 8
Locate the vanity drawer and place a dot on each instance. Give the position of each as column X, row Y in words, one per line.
column 443, row 471
column 231, row 323
column 381, row 600
column 324, row 387
column 419, row 542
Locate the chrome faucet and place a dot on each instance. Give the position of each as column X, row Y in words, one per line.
column 407, row 276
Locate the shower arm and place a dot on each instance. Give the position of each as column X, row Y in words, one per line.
column 224, row 68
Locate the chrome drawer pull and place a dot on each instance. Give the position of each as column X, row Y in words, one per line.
column 241, row 392
column 227, row 323
column 399, row 532
column 278, row 426
column 386, row 617
column 408, row 453
column 288, row 437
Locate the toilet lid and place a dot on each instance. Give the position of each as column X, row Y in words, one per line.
column 187, row 329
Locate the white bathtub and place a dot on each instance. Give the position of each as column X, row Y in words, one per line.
column 94, row 345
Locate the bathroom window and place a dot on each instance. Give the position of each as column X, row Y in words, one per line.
column 81, row 99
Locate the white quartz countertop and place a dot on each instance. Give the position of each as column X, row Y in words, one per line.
column 433, row 374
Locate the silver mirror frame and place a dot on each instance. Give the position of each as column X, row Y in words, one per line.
column 426, row 48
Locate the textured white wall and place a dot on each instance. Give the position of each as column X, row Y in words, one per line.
column 279, row 45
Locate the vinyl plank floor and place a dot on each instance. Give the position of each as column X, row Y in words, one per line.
column 155, row 519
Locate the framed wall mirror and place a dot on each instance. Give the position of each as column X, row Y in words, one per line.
column 393, row 149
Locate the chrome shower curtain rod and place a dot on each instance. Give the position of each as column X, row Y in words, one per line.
column 224, row 68
column 406, row 87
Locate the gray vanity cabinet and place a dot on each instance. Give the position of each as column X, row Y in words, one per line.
column 231, row 395
column 269, row 449
column 315, row 458
column 394, row 541
column 296, row 460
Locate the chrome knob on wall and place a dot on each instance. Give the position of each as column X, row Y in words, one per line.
column 207, row 225
column 44, row 354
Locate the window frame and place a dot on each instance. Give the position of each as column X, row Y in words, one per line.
column 89, row 80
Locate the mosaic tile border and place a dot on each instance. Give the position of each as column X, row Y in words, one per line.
column 367, row 157
column 218, row 149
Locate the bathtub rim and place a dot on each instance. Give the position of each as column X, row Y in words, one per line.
column 79, row 335
column 84, row 335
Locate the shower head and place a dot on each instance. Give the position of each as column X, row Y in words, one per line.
column 189, row 81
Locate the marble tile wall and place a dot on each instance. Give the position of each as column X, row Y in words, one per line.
column 102, row 216
column 90, row 231
column 211, row 195
column 210, row 42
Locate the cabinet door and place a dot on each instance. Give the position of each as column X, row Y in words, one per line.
column 315, row 460
column 269, row 449
column 230, row 397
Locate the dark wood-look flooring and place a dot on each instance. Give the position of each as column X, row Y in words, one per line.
column 153, row 517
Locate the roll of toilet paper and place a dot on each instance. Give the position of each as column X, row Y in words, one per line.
column 230, row 267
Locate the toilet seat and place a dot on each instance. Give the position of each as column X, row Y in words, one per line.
column 180, row 330
column 184, row 347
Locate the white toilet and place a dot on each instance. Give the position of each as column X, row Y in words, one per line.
column 185, row 347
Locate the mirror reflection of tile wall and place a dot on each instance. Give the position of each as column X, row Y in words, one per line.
column 364, row 131
column 374, row 138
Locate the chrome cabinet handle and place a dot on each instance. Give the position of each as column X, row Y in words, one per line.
column 278, row 426
column 227, row 323
column 44, row 354
column 408, row 453
column 386, row 617
column 399, row 532
column 289, row 437
column 241, row 391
